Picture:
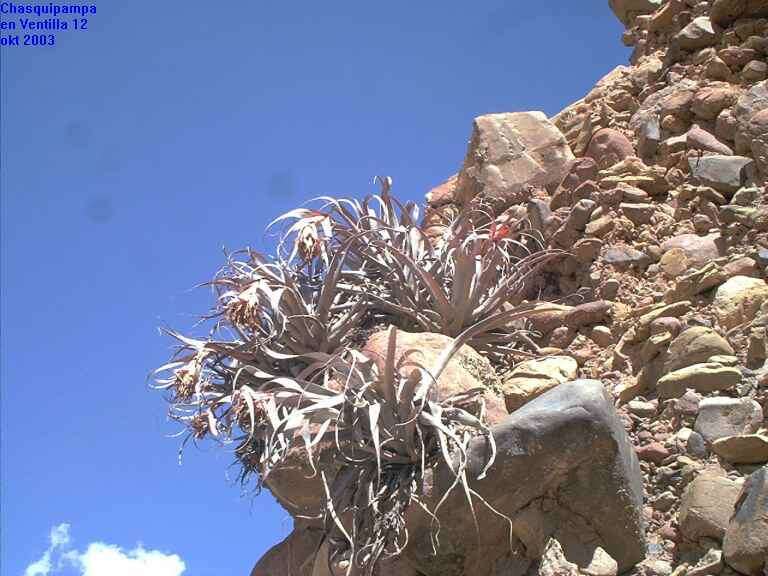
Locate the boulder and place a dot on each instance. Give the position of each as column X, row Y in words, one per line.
column 582, row 170
column 707, row 377
column 706, row 506
column 754, row 71
column 623, row 257
column 746, row 541
column 756, row 134
column 698, row 250
column 722, row 416
column 742, row 449
column 609, row 146
column 443, row 193
column 303, row 553
column 673, row 99
column 294, row 556
column 695, row 345
column 738, row 300
column 724, row 12
column 509, row 153
column 466, row 370
column 564, row 468
column 297, row 487
column 725, row 174
column 587, row 314
column 747, row 106
column 534, row 377
column 696, row 35
column 709, row 101
column 698, row 139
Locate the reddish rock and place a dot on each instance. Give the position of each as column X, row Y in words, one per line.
column 654, row 452
column 709, row 101
column 582, row 170
column 443, row 193
column 587, row 314
column 609, row 146
column 699, row 250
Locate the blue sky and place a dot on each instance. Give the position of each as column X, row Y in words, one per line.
column 134, row 152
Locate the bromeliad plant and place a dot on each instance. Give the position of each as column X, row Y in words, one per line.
column 282, row 370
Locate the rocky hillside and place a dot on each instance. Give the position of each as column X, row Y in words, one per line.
column 632, row 428
column 655, row 181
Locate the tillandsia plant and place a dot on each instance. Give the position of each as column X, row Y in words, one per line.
column 282, row 369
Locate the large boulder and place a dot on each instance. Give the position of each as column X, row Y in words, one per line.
column 725, row 174
column 746, row 540
column 706, row 506
column 564, row 468
column 696, row 35
column 509, row 153
column 302, row 553
column 295, row 484
column 738, row 300
column 466, row 370
column 294, row 556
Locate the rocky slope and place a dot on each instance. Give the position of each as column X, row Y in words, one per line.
column 655, row 183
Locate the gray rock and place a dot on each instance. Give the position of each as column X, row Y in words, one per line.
column 696, row 446
column 706, row 507
column 746, row 540
column 696, row 35
column 568, row 444
column 579, row 216
column 623, row 257
column 648, row 136
column 657, row 105
column 762, row 256
column 722, row 416
column 725, row 174
column 642, row 409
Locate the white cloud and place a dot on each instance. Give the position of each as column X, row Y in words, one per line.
column 100, row 559
column 59, row 538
